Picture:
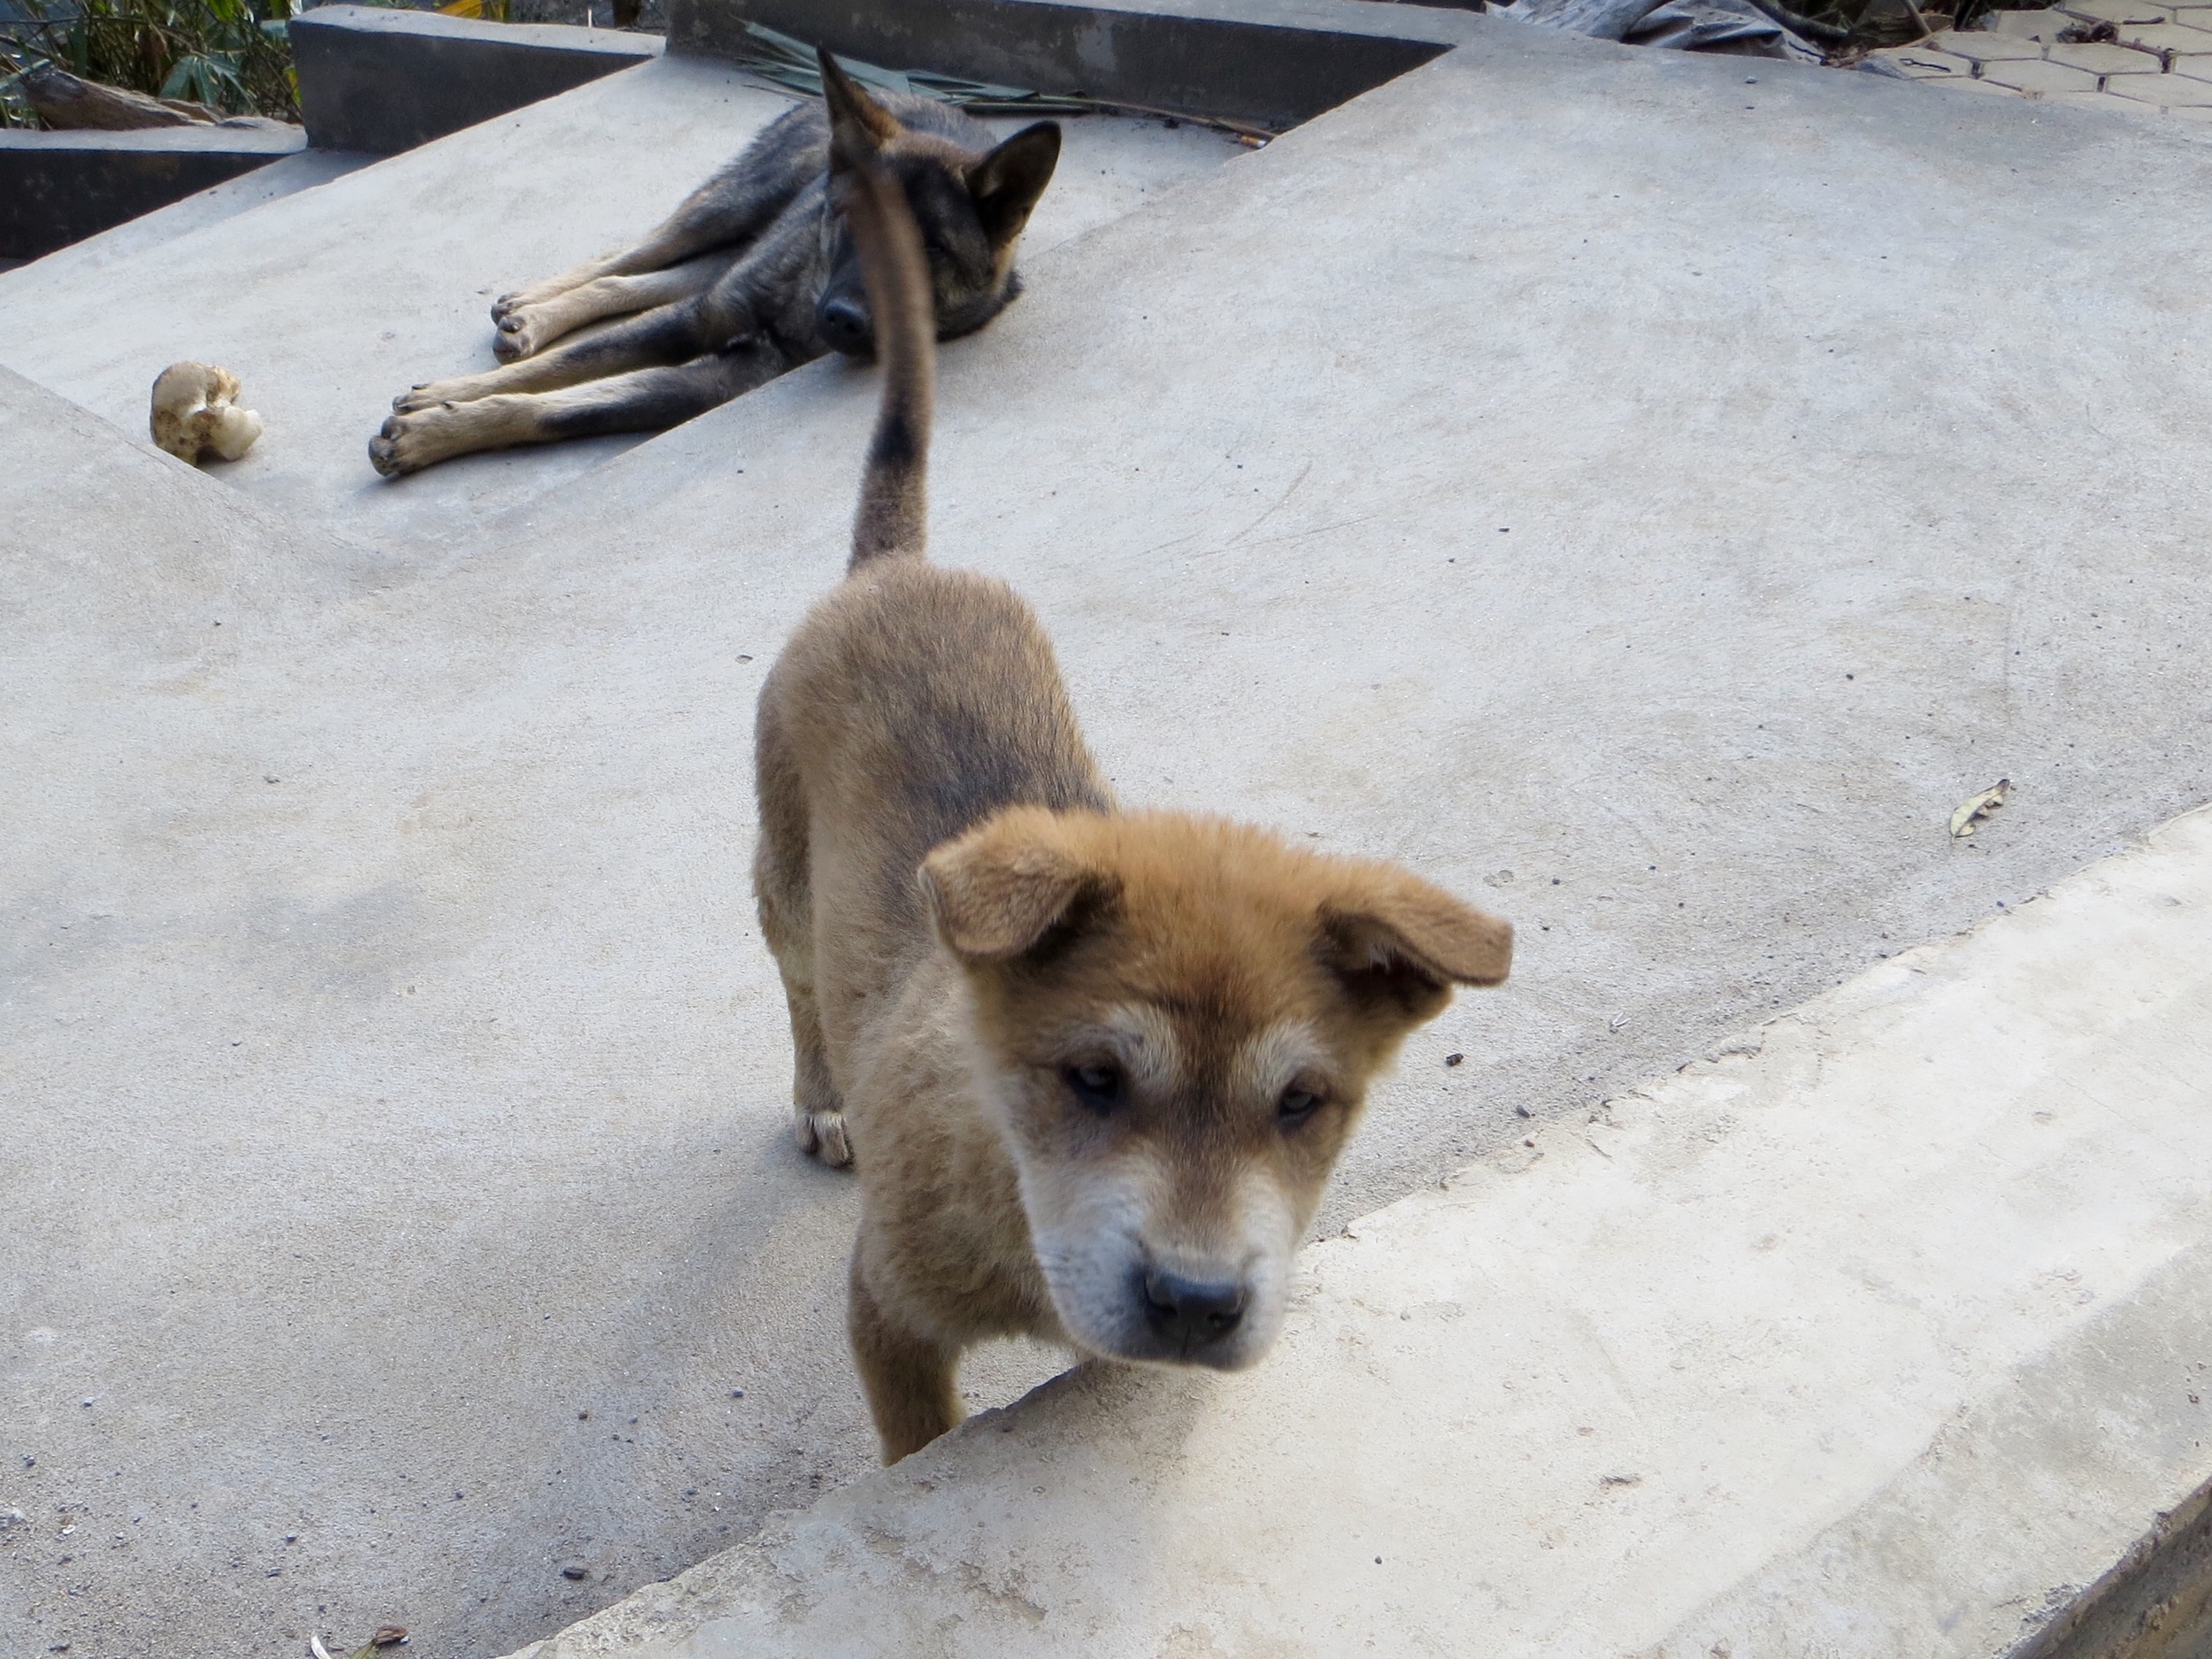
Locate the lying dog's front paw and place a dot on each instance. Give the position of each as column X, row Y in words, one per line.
column 822, row 1135
column 398, row 447
column 505, row 304
column 415, row 397
column 520, row 336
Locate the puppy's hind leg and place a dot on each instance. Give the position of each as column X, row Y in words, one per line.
column 782, row 889
column 911, row 1380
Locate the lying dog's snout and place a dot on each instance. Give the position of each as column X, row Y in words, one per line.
column 1192, row 1312
column 841, row 320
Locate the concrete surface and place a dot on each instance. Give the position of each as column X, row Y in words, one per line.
column 327, row 304
column 1274, row 63
column 382, row 80
column 1544, row 469
column 2156, row 1603
column 59, row 188
column 1870, row 1340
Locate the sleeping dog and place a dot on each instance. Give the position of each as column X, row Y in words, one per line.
column 754, row 275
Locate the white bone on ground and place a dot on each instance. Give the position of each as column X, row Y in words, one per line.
column 194, row 410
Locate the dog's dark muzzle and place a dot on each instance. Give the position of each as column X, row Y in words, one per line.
column 842, row 321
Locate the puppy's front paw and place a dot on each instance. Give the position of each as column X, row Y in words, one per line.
column 822, row 1135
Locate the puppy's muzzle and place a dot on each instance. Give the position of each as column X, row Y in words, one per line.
column 1190, row 1315
column 842, row 321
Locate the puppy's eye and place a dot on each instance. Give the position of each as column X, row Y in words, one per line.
column 1296, row 1105
column 1098, row 1086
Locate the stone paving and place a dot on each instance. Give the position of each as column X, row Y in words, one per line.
column 2123, row 57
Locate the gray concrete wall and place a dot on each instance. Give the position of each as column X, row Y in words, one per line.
column 59, row 188
column 383, row 81
column 1250, row 60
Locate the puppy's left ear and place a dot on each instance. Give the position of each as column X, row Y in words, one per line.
column 998, row 890
column 1007, row 182
column 859, row 126
column 1393, row 937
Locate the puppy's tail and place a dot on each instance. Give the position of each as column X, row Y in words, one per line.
column 893, row 518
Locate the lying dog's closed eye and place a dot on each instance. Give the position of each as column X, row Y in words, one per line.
column 753, row 274
column 1093, row 1067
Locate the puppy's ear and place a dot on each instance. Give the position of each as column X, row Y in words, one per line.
column 859, row 126
column 1395, row 939
column 1006, row 183
column 996, row 891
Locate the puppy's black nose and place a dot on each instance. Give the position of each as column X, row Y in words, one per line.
column 1192, row 1312
column 842, row 322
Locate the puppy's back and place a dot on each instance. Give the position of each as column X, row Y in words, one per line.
column 914, row 703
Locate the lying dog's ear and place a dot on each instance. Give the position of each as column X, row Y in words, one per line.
column 1007, row 182
column 997, row 890
column 859, row 126
column 1392, row 937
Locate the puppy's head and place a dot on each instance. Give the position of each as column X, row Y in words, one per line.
column 971, row 205
column 1175, row 1020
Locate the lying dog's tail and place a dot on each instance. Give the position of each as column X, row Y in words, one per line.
column 894, row 517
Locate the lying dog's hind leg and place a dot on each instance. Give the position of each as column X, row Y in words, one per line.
column 647, row 400
column 731, row 207
column 910, row 1379
column 528, row 329
column 781, row 886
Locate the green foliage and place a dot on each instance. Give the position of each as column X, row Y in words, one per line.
column 229, row 54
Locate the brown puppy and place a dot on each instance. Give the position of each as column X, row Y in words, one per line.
column 1093, row 1067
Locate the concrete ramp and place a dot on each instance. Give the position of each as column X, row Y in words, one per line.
column 329, row 303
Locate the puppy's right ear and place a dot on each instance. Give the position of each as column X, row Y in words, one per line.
column 859, row 126
column 996, row 891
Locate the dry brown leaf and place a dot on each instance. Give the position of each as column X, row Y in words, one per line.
column 1976, row 808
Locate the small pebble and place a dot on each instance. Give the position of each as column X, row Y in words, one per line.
column 735, row 1394
column 574, row 1569
column 1454, row 1059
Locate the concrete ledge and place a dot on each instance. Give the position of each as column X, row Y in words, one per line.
column 60, row 188
column 1251, row 60
column 1881, row 1336
column 386, row 80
